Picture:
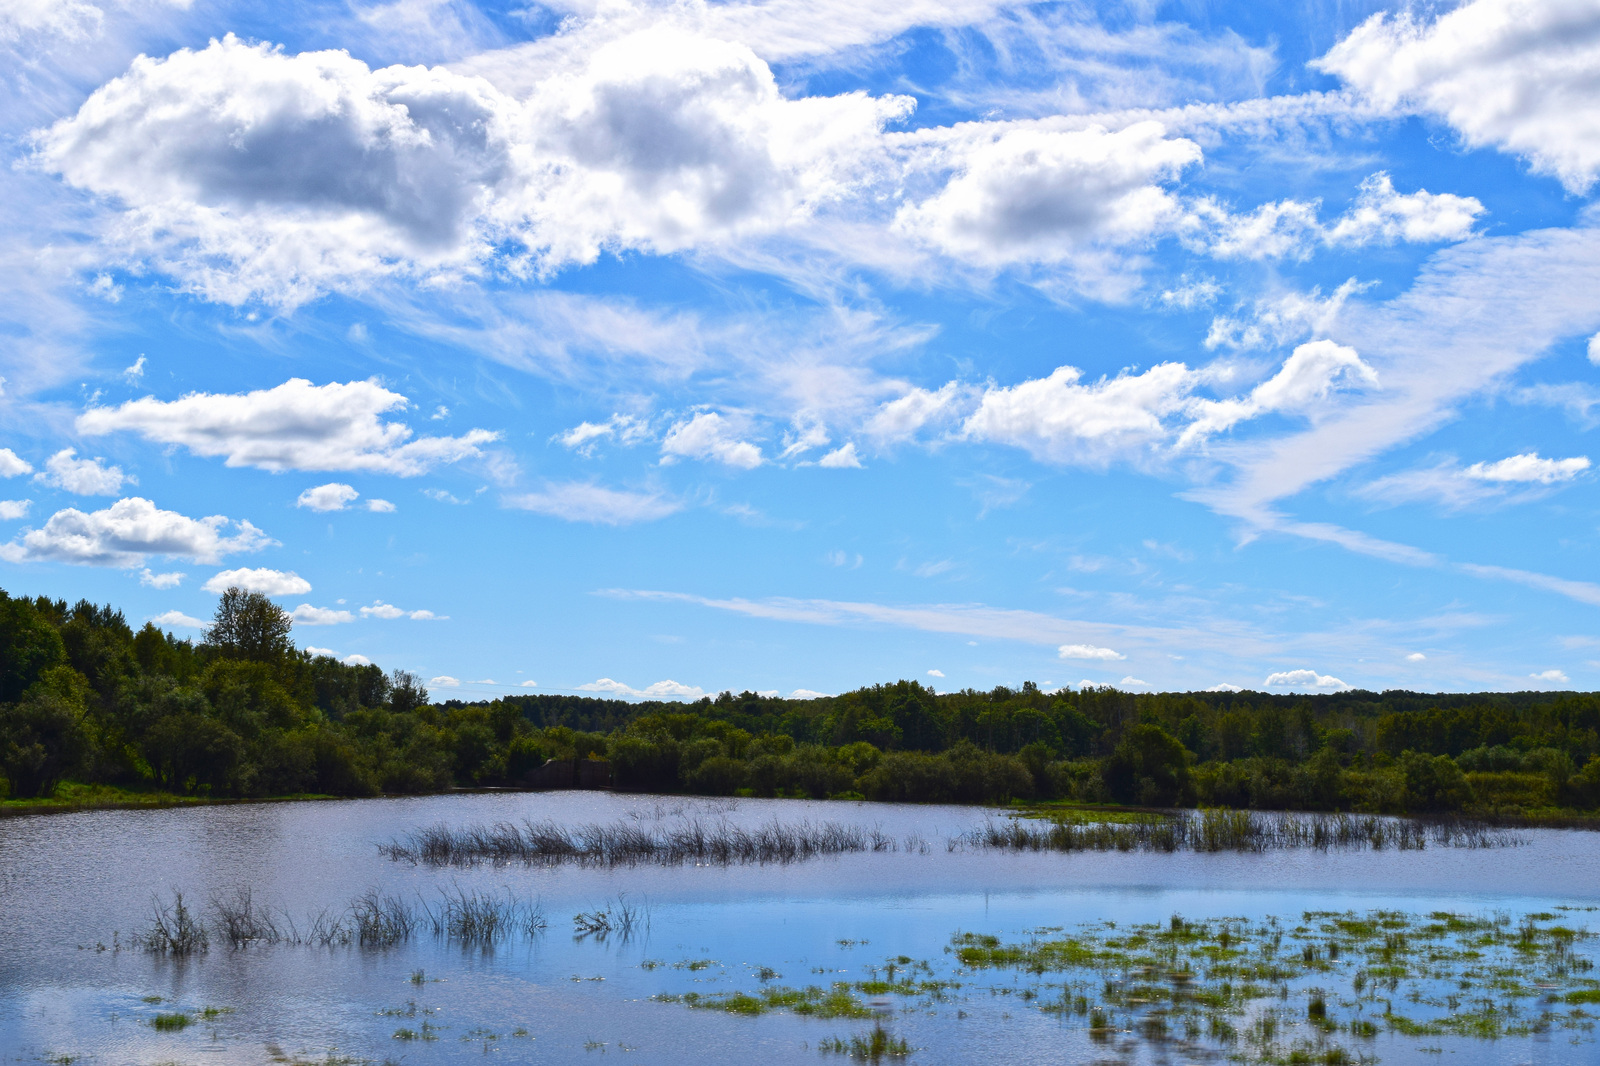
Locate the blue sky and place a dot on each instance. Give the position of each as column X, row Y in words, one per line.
column 667, row 348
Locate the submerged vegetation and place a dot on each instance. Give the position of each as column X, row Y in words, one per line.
column 94, row 712
column 371, row 920
column 1319, row 989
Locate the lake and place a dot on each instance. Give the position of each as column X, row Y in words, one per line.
column 1066, row 978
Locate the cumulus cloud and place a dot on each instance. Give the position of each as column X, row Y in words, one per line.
column 844, row 458
column 1593, row 352
column 11, row 510
column 1529, row 467
column 389, row 612
column 307, row 615
column 808, row 694
column 584, row 437
column 578, row 501
column 151, row 579
column 178, row 620
column 935, row 673
column 378, row 506
column 263, row 580
column 82, row 477
column 905, row 416
column 660, row 690
column 253, row 174
column 1223, row 686
column 333, row 496
column 1059, row 419
column 1380, row 215
column 1303, row 679
column 1416, row 657
column 294, row 426
column 709, row 436
column 1517, row 75
column 528, row 684
column 1554, row 677
column 444, row 681
column 1089, row 651
column 1044, row 196
column 128, row 532
column 11, row 465
column 354, row 659
column 1310, row 373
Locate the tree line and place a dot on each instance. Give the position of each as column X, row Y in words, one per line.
column 84, row 698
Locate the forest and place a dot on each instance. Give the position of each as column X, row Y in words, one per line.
column 86, row 700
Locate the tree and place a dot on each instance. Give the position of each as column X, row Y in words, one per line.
column 250, row 626
column 1149, row 766
column 29, row 645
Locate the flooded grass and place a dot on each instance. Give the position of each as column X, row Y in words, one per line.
column 814, row 1001
column 371, row 920
column 1230, row 830
column 624, row 843
column 720, row 842
column 1275, row 991
column 873, row 1047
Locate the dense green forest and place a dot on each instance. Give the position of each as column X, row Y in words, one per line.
column 86, row 699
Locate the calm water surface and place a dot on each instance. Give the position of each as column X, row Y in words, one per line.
column 71, row 882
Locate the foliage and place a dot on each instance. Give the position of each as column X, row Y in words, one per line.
column 85, row 698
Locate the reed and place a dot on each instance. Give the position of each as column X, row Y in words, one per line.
column 624, row 843
column 1231, row 830
column 474, row 917
column 173, row 929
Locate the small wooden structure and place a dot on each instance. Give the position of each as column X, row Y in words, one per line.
column 569, row 773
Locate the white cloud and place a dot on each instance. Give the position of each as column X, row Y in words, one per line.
column 153, row 580
column 1279, row 320
column 1223, row 686
column 307, row 615
column 1046, row 196
column 1529, row 467
column 1310, row 373
column 1552, row 676
column 11, row 510
column 1089, row 651
column 659, row 690
column 1416, row 657
column 1382, row 216
column 330, row 497
column 583, row 437
column 577, row 501
column 427, row 616
column 902, row 418
column 294, row 426
column 808, row 694
column 444, row 681
column 12, row 465
column 935, row 673
column 379, row 609
column 378, row 506
column 178, row 620
column 1517, row 75
column 127, row 532
column 314, row 650
column 1303, row 679
column 136, row 371
column 1057, row 419
column 709, row 436
column 82, row 477
column 1133, row 682
column 843, row 458
column 529, row 684
column 1593, row 351
column 263, row 580
column 249, row 173
column 354, row 659
column 1190, row 295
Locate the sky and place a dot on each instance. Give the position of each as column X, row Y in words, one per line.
column 656, row 349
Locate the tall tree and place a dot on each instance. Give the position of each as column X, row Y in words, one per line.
column 250, row 626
